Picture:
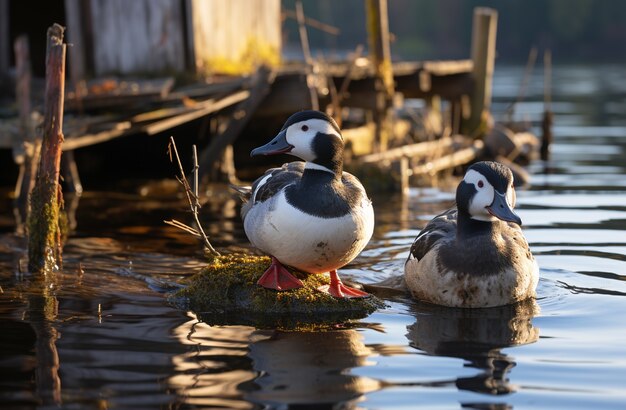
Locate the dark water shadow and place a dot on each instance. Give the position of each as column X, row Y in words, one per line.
column 478, row 337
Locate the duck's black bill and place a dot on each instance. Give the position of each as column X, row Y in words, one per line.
column 278, row 145
column 501, row 209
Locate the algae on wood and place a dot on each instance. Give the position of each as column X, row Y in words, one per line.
column 226, row 292
column 45, row 222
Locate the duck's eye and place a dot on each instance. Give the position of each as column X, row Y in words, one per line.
column 481, row 183
column 305, row 128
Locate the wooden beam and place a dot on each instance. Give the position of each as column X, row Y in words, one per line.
column 419, row 149
column 452, row 160
column 207, row 107
column 311, row 22
column 119, row 129
column 261, row 84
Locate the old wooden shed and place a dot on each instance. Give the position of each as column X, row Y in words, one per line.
column 152, row 36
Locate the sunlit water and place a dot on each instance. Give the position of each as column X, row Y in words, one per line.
column 114, row 342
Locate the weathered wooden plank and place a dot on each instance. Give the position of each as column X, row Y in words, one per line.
column 260, row 87
column 114, row 92
column 311, row 22
column 205, row 109
column 76, row 37
column 138, row 36
column 235, row 36
column 85, row 140
column 411, row 151
column 448, row 79
column 452, row 160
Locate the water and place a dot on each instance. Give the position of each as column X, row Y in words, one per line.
column 114, row 342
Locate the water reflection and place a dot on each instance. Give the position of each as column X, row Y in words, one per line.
column 306, row 368
column 477, row 336
column 237, row 366
column 28, row 345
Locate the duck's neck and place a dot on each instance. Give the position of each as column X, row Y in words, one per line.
column 328, row 155
column 468, row 227
column 334, row 169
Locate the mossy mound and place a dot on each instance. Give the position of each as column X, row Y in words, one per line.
column 226, row 292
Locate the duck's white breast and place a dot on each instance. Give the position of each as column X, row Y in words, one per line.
column 307, row 242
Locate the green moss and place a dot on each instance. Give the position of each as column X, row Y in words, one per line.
column 44, row 230
column 226, row 292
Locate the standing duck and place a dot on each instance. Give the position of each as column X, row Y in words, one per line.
column 309, row 215
column 475, row 255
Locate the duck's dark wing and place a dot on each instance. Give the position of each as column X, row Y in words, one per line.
column 272, row 181
column 441, row 226
column 276, row 179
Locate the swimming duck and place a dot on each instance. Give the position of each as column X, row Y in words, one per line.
column 475, row 255
column 309, row 215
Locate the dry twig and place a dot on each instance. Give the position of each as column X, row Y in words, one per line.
column 192, row 198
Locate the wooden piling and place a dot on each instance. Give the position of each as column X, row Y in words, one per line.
column 5, row 33
column 44, row 240
column 380, row 54
column 546, row 123
column 483, row 54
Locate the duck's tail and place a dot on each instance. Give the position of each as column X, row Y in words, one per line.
column 244, row 192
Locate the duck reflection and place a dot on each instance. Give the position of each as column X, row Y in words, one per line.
column 240, row 367
column 476, row 335
column 301, row 369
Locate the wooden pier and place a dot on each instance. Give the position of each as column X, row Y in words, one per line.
column 377, row 124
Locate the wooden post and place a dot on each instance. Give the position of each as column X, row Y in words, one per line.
column 5, row 42
column 44, row 240
column 483, row 56
column 546, row 123
column 380, row 54
column 25, row 146
column 306, row 50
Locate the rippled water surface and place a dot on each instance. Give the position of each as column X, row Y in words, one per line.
column 105, row 337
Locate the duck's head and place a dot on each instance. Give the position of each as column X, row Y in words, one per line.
column 487, row 193
column 309, row 135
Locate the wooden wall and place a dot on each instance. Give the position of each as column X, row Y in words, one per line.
column 235, row 36
column 172, row 36
column 137, row 36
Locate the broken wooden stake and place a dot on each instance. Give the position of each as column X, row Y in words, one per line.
column 483, row 57
column 546, row 123
column 44, row 236
column 380, row 52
